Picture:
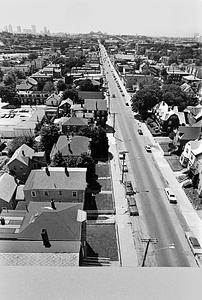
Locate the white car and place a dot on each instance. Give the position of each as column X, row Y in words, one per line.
column 193, row 243
column 171, row 196
column 148, row 148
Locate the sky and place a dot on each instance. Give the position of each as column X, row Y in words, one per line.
column 146, row 17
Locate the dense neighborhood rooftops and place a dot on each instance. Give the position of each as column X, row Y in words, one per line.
column 57, row 178
column 90, row 95
column 94, row 104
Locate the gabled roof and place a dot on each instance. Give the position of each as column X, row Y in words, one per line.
column 7, row 187
column 66, row 101
column 24, row 86
column 190, row 133
column 76, row 146
column 75, row 121
column 61, row 224
column 18, row 154
column 94, row 104
column 57, row 179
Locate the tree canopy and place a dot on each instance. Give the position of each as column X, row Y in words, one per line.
column 49, row 136
column 19, row 141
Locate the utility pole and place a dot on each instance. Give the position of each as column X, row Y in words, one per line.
column 124, row 156
column 114, row 114
column 150, row 240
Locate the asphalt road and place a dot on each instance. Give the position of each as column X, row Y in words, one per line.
column 160, row 221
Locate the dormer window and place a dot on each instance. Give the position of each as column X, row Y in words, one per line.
column 33, row 194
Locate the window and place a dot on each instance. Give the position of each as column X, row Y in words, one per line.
column 46, row 193
column 186, row 150
column 74, row 194
column 60, row 193
column 33, row 194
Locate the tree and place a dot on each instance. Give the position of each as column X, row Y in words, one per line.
column 19, row 141
column 8, row 94
column 87, row 85
column 72, row 94
column 86, row 161
column 10, row 79
column 174, row 96
column 61, row 86
column 58, row 160
column 147, row 97
column 48, row 87
column 32, row 56
column 1, row 75
column 49, row 136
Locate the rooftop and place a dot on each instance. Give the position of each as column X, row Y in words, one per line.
column 56, row 178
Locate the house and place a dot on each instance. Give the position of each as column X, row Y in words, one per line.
column 167, row 117
column 71, row 147
column 186, row 88
column 24, row 86
column 45, row 234
column 73, row 125
column 65, row 105
column 8, row 188
column 96, row 111
column 192, row 151
column 60, row 184
column 185, row 134
column 23, row 160
column 53, row 100
column 191, row 113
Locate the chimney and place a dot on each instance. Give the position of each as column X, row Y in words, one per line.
column 69, row 147
column 47, row 171
column 66, row 172
column 45, row 238
column 2, row 221
column 53, row 204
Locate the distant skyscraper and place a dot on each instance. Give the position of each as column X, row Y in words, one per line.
column 45, row 30
column 33, row 29
column 10, row 29
column 19, row 30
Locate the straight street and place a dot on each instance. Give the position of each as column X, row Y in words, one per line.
column 157, row 213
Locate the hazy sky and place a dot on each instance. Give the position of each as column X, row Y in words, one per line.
column 149, row 17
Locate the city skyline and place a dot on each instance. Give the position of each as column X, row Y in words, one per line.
column 151, row 18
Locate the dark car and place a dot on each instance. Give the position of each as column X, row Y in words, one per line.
column 127, row 104
column 140, row 131
column 129, row 188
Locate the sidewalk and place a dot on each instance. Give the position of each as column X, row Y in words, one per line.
column 128, row 256
column 190, row 215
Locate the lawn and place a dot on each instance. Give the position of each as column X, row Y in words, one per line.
column 101, row 241
column 174, row 163
column 105, row 184
column 99, row 202
column 102, row 170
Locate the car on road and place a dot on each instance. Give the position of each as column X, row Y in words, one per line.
column 121, row 156
column 113, row 96
column 148, row 148
column 140, row 131
column 133, row 210
column 129, row 188
column 170, row 195
column 193, row 243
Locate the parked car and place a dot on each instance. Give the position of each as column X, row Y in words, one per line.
column 171, row 196
column 193, row 243
column 129, row 188
column 148, row 148
column 113, row 96
column 125, row 168
column 133, row 210
column 140, row 131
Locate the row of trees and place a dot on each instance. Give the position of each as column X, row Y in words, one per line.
column 151, row 92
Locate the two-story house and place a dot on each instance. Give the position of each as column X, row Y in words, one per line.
column 8, row 188
column 73, row 125
column 57, row 183
column 185, row 134
column 192, row 151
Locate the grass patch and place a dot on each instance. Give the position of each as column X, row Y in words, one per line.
column 98, row 202
column 102, row 170
column 105, row 184
column 101, row 241
column 174, row 164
